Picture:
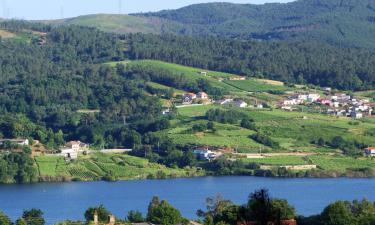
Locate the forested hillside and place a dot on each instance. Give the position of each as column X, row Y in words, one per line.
column 339, row 22
column 293, row 62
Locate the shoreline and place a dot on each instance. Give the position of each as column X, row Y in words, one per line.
column 61, row 180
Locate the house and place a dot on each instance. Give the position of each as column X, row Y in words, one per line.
column 225, row 101
column 370, row 152
column 259, row 106
column 237, row 78
column 19, row 142
column 72, row 148
column 166, row 112
column 204, row 73
column 326, row 102
column 188, row 97
column 240, row 104
column 313, row 97
column 202, row 95
column 204, row 154
column 356, row 115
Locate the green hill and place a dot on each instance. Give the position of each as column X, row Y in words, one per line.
column 335, row 21
column 342, row 22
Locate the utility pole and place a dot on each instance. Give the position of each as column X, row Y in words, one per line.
column 119, row 6
column 124, row 120
column 61, row 12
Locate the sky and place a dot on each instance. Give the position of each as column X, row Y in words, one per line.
column 57, row 9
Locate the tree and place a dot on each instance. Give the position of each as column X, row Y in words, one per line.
column 102, row 212
column 4, row 219
column 163, row 213
column 135, row 217
column 33, row 217
column 281, row 210
column 338, row 213
column 260, row 206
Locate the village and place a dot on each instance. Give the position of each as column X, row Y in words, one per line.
column 340, row 104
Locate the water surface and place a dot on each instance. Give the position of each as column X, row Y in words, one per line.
column 60, row 201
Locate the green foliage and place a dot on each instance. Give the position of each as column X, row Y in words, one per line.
column 135, row 217
column 17, row 168
column 163, row 213
column 101, row 211
column 292, row 62
column 33, row 217
column 4, row 219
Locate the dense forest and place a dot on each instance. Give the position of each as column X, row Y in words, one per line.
column 292, row 62
column 339, row 22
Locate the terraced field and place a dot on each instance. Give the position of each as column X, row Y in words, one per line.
column 98, row 166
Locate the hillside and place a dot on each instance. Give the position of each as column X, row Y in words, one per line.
column 342, row 22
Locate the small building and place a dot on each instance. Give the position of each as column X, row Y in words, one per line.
column 20, row 142
column 72, row 148
column 370, row 152
column 204, row 154
column 202, row 95
column 237, row 78
column 188, row 97
column 240, row 104
column 166, row 112
column 313, row 97
column 225, row 101
column 356, row 115
column 204, row 73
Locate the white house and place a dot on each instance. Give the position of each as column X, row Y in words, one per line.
column 72, row 148
column 313, row 97
column 240, row 104
column 225, row 101
column 356, row 115
column 370, row 151
column 202, row 95
column 189, row 97
column 205, row 154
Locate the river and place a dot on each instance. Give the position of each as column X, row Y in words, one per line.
column 60, row 201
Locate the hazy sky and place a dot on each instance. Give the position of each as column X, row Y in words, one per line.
column 56, row 9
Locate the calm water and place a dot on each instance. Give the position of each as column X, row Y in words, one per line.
column 61, row 201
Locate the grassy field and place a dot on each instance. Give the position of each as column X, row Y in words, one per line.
column 294, row 131
column 324, row 162
column 6, row 34
column 188, row 72
column 98, row 166
column 253, row 85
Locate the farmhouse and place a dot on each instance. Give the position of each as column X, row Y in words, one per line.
column 204, row 154
column 72, row 148
column 202, row 95
column 240, row 104
column 188, row 97
column 370, row 152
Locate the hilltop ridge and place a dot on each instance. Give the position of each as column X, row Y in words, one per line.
column 339, row 22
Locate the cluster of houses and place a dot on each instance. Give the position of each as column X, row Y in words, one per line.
column 189, row 98
column 338, row 105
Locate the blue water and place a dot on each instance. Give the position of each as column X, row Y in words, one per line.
column 60, row 201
